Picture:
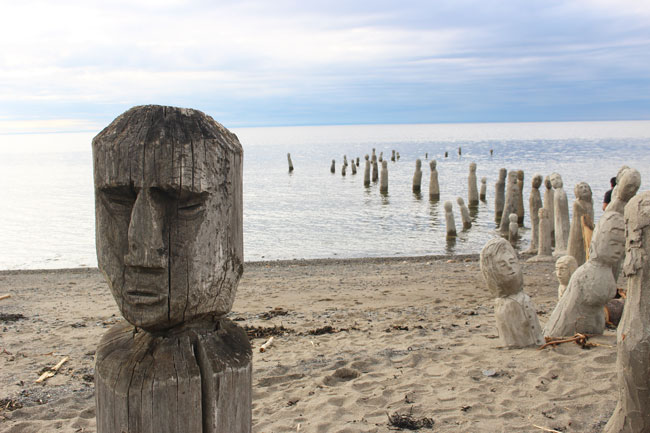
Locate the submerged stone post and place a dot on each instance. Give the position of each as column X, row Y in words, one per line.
column 168, row 207
column 464, row 214
column 631, row 414
column 383, row 183
column 449, row 220
column 366, row 173
column 499, row 195
column 417, row 176
column 482, row 194
column 472, row 190
column 290, row 163
column 434, row 188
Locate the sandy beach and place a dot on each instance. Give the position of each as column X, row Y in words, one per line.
column 362, row 340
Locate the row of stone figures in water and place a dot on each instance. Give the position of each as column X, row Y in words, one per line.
column 170, row 245
column 621, row 237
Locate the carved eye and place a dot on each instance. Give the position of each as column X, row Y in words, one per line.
column 119, row 200
column 191, row 208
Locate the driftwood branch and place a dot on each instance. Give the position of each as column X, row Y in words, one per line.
column 52, row 371
column 3, row 297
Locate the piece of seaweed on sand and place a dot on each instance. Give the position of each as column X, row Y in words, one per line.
column 265, row 332
column 406, row 421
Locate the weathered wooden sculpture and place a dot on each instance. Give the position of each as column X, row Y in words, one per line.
column 353, row 167
column 333, row 167
column 499, row 195
column 632, row 413
column 417, row 176
column 375, row 170
column 434, row 188
column 343, row 169
column 397, row 154
column 515, row 312
column 549, row 197
column 383, row 182
column 449, row 220
column 168, row 206
column 627, row 184
column 472, row 190
column 520, row 197
column 582, row 206
column 345, row 160
column 357, row 161
column 544, row 252
column 381, row 156
column 482, row 194
column 510, row 204
column 464, row 214
column 392, row 155
column 366, row 173
column 513, row 229
column 534, row 205
column 565, row 266
column 580, row 309
column 290, row 163
column 561, row 209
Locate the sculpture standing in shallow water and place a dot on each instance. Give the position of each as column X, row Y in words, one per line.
column 168, row 206
column 515, row 313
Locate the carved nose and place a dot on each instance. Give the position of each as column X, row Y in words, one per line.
column 146, row 247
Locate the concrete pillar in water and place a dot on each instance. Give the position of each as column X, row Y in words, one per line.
column 333, row 167
column 290, row 163
column 510, row 204
column 449, row 220
column 483, row 192
column 383, row 184
column 464, row 214
column 434, row 189
column 513, row 229
column 366, row 173
column 417, row 176
column 472, row 190
column 499, row 195
column 534, row 205
column 520, row 197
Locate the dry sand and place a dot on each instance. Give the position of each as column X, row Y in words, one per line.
column 411, row 336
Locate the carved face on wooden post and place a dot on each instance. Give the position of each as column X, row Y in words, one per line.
column 168, row 206
column 500, row 268
column 608, row 241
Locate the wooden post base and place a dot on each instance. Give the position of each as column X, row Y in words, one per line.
column 197, row 379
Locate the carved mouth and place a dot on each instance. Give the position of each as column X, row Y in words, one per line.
column 143, row 297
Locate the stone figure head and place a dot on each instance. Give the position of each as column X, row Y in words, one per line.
column 556, row 180
column 582, row 191
column 543, row 213
column 512, row 177
column 448, row 206
column 484, row 180
column 520, row 176
column 565, row 266
column 500, row 268
column 608, row 240
column 502, row 174
column 168, row 207
column 637, row 220
column 432, row 164
column 628, row 184
column 367, row 157
column 460, row 201
column 384, row 165
column 547, row 182
column 472, row 167
column 513, row 218
column 418, row 164
column 537, row 181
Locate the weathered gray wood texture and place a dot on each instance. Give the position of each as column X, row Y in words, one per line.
column 499, row 195
column 632, row 413
column 582, row 206
column 195, row 380
column 168, row 203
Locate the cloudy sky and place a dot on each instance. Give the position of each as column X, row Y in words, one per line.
column 71, row 65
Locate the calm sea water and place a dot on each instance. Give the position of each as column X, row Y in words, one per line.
column 47, row 208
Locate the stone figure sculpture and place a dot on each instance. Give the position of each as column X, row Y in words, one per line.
column 353, row 167
column 628, row 183
column 417, row 176
column 510, row 204
column 345, row 160
column 343, row 169
column 534, row 205
column 472, row 190
column 582, row 206
column 544, row 253
column 357, row 161
column 549, row 196
column 631, row 414
column 381, row 156
column 561, row 209
column 290, row 163
column 434, row 188
column 333, row 166
column 449, row 220
column 515, row 312
column 499, row 195
column 482, row 194
column 383, row 182
column 375, row 170
column 581, row 307
column 366, row 173
column 464, row 214
column 168, row 206
column 565, row 266
column 513, row 229
column 392, row 155
column 520, row 197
